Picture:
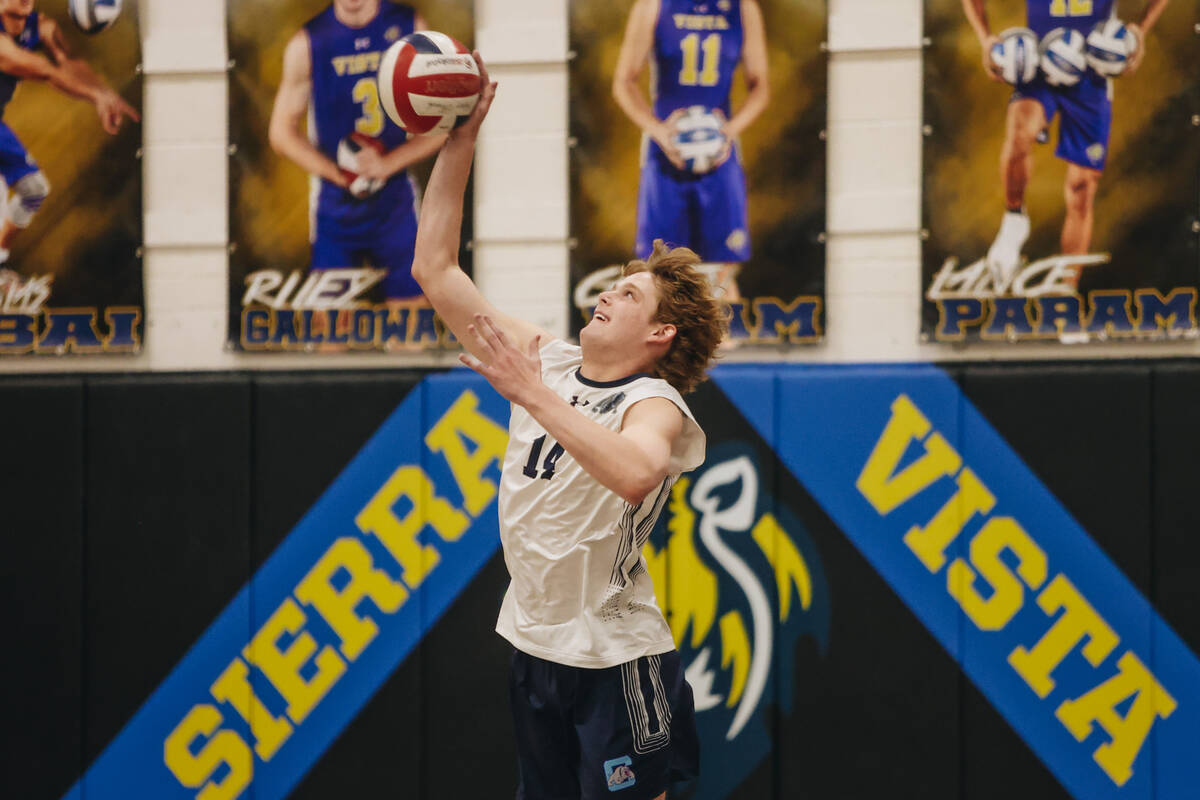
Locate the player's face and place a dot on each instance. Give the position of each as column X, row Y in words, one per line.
column 21, row 8
column 353, row 6
column 625, row 313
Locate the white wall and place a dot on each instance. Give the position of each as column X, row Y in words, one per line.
column 873, row 270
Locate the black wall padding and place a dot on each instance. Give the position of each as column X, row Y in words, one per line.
column 136, row 507
column 468, row 733
column 167, row 516
column 1176, row 523
column 41, row 472
column 307, row 428
column 1085, row 432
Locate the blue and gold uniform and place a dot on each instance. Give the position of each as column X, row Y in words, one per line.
column 379, row 229
column 1086, row 107
column 15, row 161
column 697, row 48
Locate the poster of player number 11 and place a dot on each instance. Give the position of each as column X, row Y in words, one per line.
column 701, row 123
column 1062, row 170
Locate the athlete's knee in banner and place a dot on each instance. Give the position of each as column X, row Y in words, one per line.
column 28, row 195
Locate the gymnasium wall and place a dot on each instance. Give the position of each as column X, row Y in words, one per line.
column 189, row 556
column 521, row 239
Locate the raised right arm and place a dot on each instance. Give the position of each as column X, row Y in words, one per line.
column 435, row 261
column 291, row 109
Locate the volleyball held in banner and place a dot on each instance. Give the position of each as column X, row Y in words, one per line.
column 1063, row 59
column 1110, row 45
column 429, row 82
column 1017, row 56
column 699, row 139
column 93, row 16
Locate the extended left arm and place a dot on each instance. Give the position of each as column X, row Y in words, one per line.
column 630, row 462
column 754, row 70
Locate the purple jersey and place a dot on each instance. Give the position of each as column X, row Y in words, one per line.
column 345, row 99
column 697, row 47
column 28, row 39
column 1080, row 15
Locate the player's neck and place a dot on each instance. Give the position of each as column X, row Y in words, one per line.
column 603, row 368
column 356, row 19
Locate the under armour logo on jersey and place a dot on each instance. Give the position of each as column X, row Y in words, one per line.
column 609, row 404
column 362, row 43
column 576, row 402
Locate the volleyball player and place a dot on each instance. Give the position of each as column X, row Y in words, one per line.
column 329, row 85
column 1085, row 121
column 32, row 47
column 597, row 436
column 694, row 48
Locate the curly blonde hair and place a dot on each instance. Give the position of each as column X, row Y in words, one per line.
column 684, row 300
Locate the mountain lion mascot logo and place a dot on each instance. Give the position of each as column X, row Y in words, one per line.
column 740, row 582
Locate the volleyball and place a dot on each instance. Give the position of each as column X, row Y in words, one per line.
column 1063, row 59
column 1109, row 47
column 93, row 16
column 699, row 139
column 429, row 83
column 1017, row 56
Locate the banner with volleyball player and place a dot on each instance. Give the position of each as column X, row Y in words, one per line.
column 678, row 135
column 336, row 110
column 70, row 170
column 1062, row 170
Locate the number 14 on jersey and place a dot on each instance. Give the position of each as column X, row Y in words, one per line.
column 535, row 453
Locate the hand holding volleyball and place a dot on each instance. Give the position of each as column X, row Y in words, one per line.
column 429, row 82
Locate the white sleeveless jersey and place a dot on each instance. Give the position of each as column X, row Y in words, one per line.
column 579, row 592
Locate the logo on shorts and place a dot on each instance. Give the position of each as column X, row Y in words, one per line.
column 736, row 240
column 1095, row 152
column 619, row 773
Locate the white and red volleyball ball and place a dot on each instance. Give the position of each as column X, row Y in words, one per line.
column 429, row 82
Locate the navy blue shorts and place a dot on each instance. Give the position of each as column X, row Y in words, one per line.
column 625, row 732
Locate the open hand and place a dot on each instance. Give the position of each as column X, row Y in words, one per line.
column 112, row 110
column 515, row 375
